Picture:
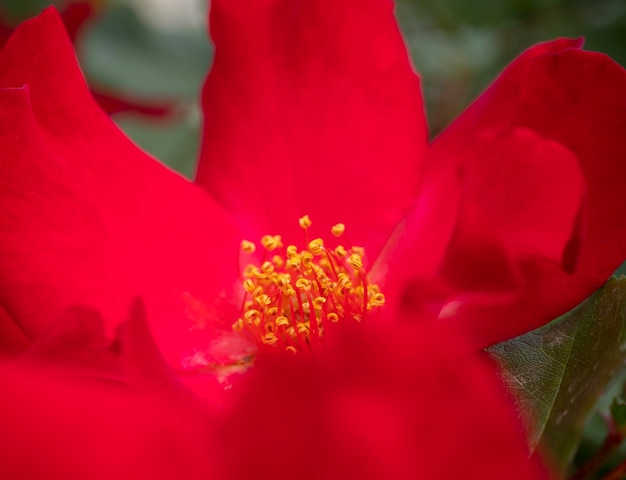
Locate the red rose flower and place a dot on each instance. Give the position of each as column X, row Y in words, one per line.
column 336, row 132
column 310, row 109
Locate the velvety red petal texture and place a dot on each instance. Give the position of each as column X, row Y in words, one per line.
column 577, row 99
column 311, row 108
column 543, row 187
column 399, row 404
column 86, row 217
column 13, row 340
column 62, row 416
column 509, row 211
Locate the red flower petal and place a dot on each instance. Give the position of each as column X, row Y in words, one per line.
column 509, row 210
column 382, row 405
column 74, row 17
column 78, row 424
column 117, row 104
column 312, row 108
column 13, row 341
column 495, row 107
column 578, row 100
column 86, row 217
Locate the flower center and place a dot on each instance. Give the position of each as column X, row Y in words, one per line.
column 293, row 296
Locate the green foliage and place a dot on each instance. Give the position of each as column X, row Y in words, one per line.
column 122, row 52
column 559, row 372
column 618, row 413
column 128, row 57
column 460, row 46
column 17, row 10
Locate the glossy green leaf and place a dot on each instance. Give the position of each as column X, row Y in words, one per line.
column 559, row 372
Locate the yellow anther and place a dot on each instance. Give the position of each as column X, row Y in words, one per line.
column 377, row 300
column 316, row 246
column 256, row 273
column 251, row 314
column 247, row 246
column 305, row 222
column 247, row 272
column 294, row 262
column 267, row 267
column 296, row 293
column 270, row 338
column 355, row 261
column 319, row 302
column 257, row 291
column 360, row 251
column 263, row 300
column 343, row 281
column 248, row 285
column 337, row 230
column 307, row 259
column 252, row 317
column 303, row 284
column 271, row 242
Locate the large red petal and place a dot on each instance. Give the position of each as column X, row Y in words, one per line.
column 495, row 107
column 312, row 108
column 382, row 405
column 88, row 218
column 13, row 340
column 61, row 418
column 577, row 99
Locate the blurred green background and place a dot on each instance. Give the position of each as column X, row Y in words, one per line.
column 156, row 51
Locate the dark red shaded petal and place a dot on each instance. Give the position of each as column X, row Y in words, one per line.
column 77, row 424
column 382, row 405
column 73, row 338
column 476, row 259
column 13, row 340
column 112, row 104
column 577, row 99
column 87, row 218
column 75, row 15
column 531, row 190
column 312, row 108
column 521, row 199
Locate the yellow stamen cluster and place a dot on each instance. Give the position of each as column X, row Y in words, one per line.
column 293, row 296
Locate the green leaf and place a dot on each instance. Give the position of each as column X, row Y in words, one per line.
column 558, row 373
